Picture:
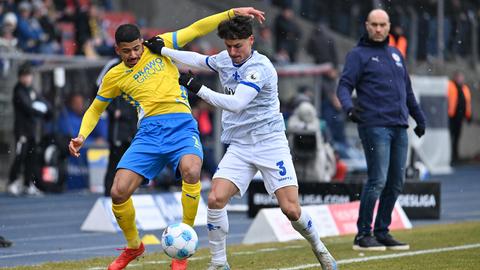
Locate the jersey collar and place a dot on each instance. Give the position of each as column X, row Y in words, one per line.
column 244, row 61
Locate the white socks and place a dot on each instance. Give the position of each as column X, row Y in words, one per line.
column 217, row 225
column 305, row 226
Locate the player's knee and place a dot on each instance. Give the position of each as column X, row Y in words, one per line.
column 191, row 174
column 118, row 195
column 217, row 201
column 292, row 211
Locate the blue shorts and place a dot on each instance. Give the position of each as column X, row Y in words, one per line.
column 160, row 140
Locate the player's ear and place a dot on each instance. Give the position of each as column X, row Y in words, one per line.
column 251, row 39
column 117, row 50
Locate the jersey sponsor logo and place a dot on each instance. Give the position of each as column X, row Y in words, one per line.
column 229, row 91
column 375, row 59
column 151, row 68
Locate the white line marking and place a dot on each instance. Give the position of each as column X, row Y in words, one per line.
column 387, row 256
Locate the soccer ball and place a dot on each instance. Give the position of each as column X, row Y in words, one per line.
column 179, row 241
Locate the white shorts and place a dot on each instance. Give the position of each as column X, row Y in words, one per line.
column 271, row 157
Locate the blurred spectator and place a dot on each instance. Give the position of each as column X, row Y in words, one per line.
column 310, row 152
column 264, row 42
column 459, row 108
column 68, row 125
column 122, row 126
column 287, row 33
column 398, row 40
column 29, row 32
column 8, row 41
column 4, row 242
column 31, row 109
column 51, row 44
column 203, row 113
column 321, row 46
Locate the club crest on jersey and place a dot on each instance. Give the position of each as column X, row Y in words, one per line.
column 397, row 59
column 236, row 77
column 252, row 76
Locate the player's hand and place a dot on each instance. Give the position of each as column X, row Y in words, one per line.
column 419, row 130
column 188, row 81
column 75, row 145
column 250, row 12
column 155, row 44
column 354, row 115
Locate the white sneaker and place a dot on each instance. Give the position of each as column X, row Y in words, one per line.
column 15, row 188
column 32, row 190
column 213, row 266
column 326, row 260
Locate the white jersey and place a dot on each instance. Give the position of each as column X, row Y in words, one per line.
column 261, row 118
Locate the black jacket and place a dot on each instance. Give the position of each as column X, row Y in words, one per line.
column 26, row 114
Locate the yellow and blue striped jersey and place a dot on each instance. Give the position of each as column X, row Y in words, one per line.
column 152, row 84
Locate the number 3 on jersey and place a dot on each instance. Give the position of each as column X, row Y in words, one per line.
column 282, row 168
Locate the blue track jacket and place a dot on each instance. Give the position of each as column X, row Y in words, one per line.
column 384, row 91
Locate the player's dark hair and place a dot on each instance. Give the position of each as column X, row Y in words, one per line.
column 127, row 33
column 239, row 27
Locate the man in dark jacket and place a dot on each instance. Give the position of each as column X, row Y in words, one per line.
column 385, row 100
column 29, row 108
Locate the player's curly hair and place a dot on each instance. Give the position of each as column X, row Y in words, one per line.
column 127, row 33
column 239, row 27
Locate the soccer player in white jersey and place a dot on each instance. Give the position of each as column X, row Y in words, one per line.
column 254, row 129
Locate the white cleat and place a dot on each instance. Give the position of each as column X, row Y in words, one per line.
column 15, row 188
column 32, row 190
column 326, row 260
column 213, row 266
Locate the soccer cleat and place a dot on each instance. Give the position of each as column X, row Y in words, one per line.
column 179, row 264
column 326, row 260
column 214, row 266
column 368, row 243
column 390, row 243
column 15, row 188
column 32, row 190
column 128, row 255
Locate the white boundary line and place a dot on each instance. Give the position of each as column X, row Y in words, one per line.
column 387, row 256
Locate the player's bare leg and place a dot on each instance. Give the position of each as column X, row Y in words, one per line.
column 124, row 184
column 303, row 223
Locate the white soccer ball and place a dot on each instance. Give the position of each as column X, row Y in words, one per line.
column 179, row 241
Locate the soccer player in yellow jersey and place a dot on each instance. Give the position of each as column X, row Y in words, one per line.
column 167, row 132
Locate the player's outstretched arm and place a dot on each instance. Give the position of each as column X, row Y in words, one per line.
column 191, row 59
column 89, row 121
column 210, row 23
column 234, row 103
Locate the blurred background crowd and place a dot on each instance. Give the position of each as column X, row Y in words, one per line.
column 64, row 44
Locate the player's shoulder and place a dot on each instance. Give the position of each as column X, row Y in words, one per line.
column 260, row 62
column 222, row 57
column 116, row 71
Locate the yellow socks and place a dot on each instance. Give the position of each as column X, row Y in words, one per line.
column 125, row 215
column 190, row 199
